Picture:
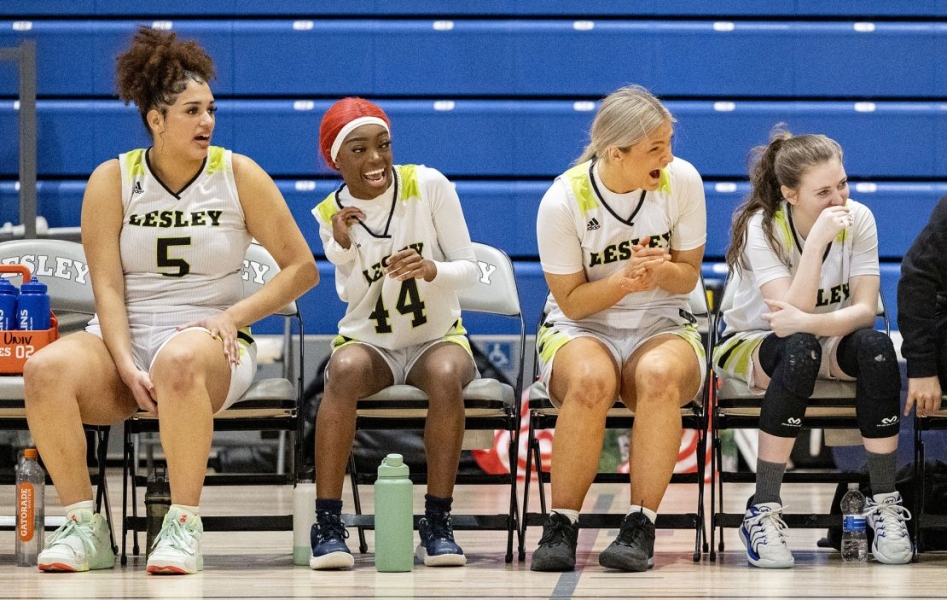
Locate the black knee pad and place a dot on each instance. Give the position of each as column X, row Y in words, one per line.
column 877, row 364
column 878, row 387
column 799, row 365
column 792, row 382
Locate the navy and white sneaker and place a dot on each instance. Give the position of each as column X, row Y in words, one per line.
column 437, row 547
column 762, row 534
column 329, row 550
column 886, row 516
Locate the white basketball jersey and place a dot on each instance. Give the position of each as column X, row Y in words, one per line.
column 672, row 217
column 383, row 311
column 185, row 250
column 853, row 253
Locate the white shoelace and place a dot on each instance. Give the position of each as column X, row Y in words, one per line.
column 177, row 536
column 772, row 522
column 83, row 531
column 891, row 518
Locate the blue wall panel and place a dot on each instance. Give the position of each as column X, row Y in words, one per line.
column 65, row 54
column 449, row 58
column 293, row 58
column 581, row 58
column 424, row 58
column 709, row 58
column 502, row 138
column 481, row 7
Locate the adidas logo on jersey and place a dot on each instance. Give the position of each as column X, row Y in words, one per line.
column 593, row 225
column 137, row 189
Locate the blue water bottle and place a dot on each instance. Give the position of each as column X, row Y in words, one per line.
column 32, row 307
column 8, row 294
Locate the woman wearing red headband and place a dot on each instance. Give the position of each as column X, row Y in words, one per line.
column 401, row 250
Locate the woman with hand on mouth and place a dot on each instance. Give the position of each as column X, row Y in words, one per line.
column 804, row 264
column 400, row 246
column 621, row 236
column 165, row 231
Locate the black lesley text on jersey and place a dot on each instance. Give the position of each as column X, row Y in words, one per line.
column 622, row 250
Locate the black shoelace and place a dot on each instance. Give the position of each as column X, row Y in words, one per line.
column 331, row 526
column 555, row 532
column 634, row 534
column 440, row 526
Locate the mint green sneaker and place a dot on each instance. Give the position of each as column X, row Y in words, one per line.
column 80, row 544
column 177, row 549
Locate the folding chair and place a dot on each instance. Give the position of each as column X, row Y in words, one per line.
column 62, row 267
column 543, row 415
column 489, row 404
column 831, row 407
column 270, row 404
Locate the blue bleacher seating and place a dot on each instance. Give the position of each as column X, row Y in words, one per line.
column 477, row 138
column 503, row 58
column 758, row 8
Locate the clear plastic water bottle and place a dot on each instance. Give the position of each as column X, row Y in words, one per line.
column 30, row 509
column 33, row 306
column 304, row 516
column 157, row 503
column 8, row 294
column 854, row 537
column 394, row 516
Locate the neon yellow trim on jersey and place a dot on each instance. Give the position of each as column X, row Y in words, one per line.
column 782, row 227
column 215, row 159
column 665, row 183
column 410, row 189
column 135, row 162
column 581, row 185
column 327, row 208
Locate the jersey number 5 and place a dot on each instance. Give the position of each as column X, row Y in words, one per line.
column 166, row 262
column 409, row 302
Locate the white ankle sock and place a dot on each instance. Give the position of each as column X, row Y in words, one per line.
column 88, row 505
column 647, row 512
column 573, row 515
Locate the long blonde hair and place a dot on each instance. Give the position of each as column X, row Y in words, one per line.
column 626, row 117
column 782, row 162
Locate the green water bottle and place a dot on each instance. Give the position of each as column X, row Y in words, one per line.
column 394, row 516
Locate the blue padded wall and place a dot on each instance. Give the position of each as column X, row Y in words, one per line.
column 555, row 58
column 756, row 8
column 477, row 138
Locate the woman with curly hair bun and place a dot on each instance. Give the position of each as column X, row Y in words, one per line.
column 165, row 232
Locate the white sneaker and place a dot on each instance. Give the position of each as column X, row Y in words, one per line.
column 177, row 549
column 886, row 516
column 762, row 534
column 80, row 544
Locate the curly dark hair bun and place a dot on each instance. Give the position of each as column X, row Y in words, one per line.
column 157, row 66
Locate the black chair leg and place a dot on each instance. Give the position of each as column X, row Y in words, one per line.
column 362, row 544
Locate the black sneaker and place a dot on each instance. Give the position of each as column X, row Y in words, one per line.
column 437, row 547
column 556, row 550
column 329, row 550
column 633, row 549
